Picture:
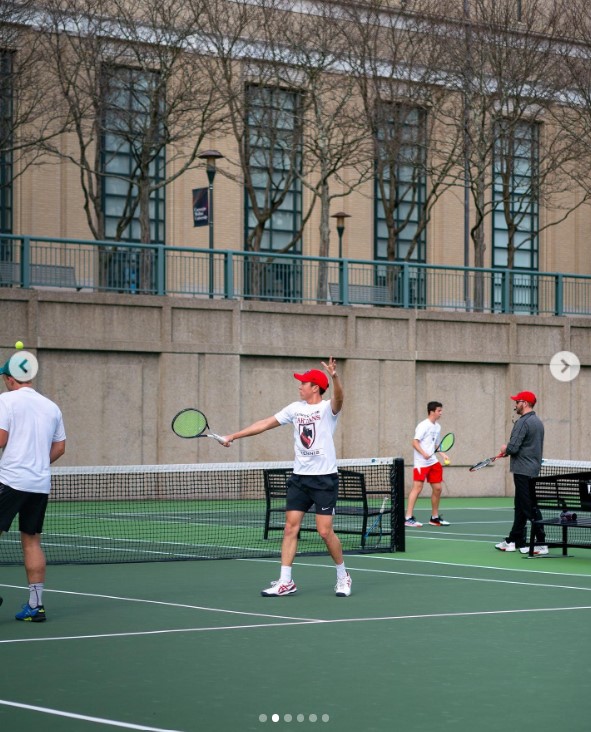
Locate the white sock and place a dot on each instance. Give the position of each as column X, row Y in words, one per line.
column 285, row 575
column 341, row 571
column 36, row 594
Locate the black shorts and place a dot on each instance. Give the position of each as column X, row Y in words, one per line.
column 304, row 491
column 30, row 508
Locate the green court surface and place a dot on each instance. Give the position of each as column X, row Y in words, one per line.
column 450, row 635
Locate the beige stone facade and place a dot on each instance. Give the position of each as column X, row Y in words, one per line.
column 122, row 366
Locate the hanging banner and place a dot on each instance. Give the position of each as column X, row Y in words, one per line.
column 200, row 207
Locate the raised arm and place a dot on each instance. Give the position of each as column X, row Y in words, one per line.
column 338, row 396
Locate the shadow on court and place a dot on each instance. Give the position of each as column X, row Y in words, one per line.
column 449, row 635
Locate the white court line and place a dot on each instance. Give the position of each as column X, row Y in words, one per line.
column 166, row 631
column 332, row 621
column 160, row 602
column 471, row 566
column 84, row 717
column 448, row 576
column 303, row 621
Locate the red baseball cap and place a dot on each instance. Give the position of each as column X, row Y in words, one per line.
column 314, row 376
column 526, row 396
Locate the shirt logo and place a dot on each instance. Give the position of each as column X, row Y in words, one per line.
column 307, row 434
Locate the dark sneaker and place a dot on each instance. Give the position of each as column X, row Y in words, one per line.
column 278, row 589
column 32, row 614
column 438, row 521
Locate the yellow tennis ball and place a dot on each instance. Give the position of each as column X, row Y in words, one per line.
column 446, row 461
column 19, row 345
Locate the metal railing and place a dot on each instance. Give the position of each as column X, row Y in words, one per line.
column 157, row 269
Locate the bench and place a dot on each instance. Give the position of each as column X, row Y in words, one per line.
column 562, row 504
column 352, row 502
column 362, row 294
column 40, row 275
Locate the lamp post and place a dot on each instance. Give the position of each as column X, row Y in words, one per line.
column 210, row 156
column 340, row 216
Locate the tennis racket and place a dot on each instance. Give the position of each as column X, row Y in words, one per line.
column 375, row 531
column 485, row 463
column 447, row 442
column 193, row 423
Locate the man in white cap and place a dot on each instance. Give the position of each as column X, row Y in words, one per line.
column 525, row 448
column 33, row 436
column 315, row 478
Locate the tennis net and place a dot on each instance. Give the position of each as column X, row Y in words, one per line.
column 552, row 469
column 559, row 467
column 209, row 511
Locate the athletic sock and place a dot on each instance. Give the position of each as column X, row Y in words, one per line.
column 36, row 594
column 285, row 575
column 341, row 571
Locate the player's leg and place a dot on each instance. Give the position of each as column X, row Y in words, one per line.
column 285, row 584
column 291, row 530
column 35, row 567
column 417, row 487
column 325, row 490
column 523, row 511
column 324, row 526
column 31, row 518
column 296, row 505
column 435, row 478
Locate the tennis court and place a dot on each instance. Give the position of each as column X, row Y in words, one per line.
column 450, row 634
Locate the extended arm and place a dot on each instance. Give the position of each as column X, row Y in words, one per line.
column 262, row 425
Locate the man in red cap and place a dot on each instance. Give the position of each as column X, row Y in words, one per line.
column 315, row 479
column 525, row 448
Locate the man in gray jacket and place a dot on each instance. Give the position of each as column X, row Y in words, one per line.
column 525, row 448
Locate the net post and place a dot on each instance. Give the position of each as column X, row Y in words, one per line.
column 397, row 538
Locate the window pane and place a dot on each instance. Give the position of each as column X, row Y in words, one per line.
column 129, row 96
column 404, row 168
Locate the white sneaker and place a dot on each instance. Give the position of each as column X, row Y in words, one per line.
column 412, row 522
column 506, row 546
column 278, row 589
column 343, row 586
column 538, row 550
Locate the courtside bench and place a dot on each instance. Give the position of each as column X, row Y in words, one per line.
column 41, row 275
column 352, row 502
column 362, row 294
column 564, row 503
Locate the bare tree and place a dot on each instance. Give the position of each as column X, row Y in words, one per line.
column 291, row 112
column 337, row 150
column 501, row 61
column 573, row 114
column 27, row 97
column 132, row 84
column 396, row 62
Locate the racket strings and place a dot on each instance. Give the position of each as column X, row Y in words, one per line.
column 447, row 442
column 189, row 423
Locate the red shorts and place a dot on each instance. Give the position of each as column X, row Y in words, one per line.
column 431, row 474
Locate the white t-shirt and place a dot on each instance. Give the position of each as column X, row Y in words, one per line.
column 33, row 423
column 427, row 433
column 313, row 428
